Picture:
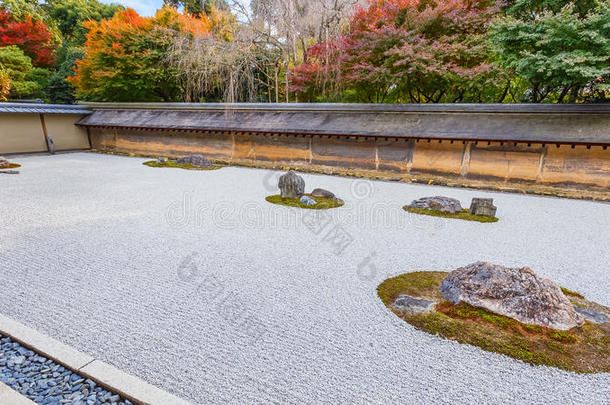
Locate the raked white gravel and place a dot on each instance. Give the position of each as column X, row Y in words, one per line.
column 191, row 281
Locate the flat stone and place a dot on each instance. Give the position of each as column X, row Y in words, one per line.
column 592, row 315
column 438, row 203
column 194, row 160
column 483, row 206
column 4, row 162
column 320, row 192
column 406, row 302
column 517, row 293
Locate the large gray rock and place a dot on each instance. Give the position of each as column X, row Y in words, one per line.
column 291, row 185
column 195, row 160
column 514, row 292
column 444, row 204
column 4, row 162
column 483, row 206
column 406, row 302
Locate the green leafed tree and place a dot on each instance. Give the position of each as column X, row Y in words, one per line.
column 26, row 81
column 560, row 49
column 70, row 15
column 60, row 91
column 198, row 7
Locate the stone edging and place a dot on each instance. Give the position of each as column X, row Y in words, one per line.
column 9, row 396
column 105, row 375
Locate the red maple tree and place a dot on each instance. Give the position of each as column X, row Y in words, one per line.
column 33, row 37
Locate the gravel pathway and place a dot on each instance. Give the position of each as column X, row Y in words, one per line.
column 191, row 281
column 46, row 382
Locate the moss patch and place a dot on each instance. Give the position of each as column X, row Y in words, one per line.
column 10, row 166
column 583, row 350
column 321, row 203
column 570, row 293
column 154, row 163
column 459, row 215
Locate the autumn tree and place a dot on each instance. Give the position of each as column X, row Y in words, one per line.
column 30, row 35
column 124, row 56
column 408, row 51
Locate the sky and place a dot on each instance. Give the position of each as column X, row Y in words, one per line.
column 143, row 7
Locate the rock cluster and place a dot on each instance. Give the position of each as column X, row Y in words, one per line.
column 513, row 292
column 4, row 162
column 194, row 160
column 46, row 382
column 291, row 185
column 444, row 204
column 483, row 206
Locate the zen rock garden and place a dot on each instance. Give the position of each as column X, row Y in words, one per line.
column 506, row 310
column 481, row 209
column 5, row 164
column 292, row 194
column 189, row 162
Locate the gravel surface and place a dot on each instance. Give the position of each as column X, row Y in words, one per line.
column 46, row 382
column 191, row 281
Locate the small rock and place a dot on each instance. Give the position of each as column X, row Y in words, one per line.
column 592, row 315
column 306, row 200
column 517, row 293
column 439, row 203
column 162, row 160
column 483, row 206
column 413, row 304
column 9, row 171
column 195, row 160
column 291, row 185
column 4, row 162
column 320, row 192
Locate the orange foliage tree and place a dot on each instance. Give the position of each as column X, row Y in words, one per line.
column 124, row 56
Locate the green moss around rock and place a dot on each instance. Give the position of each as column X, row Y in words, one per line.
column 458, row 215
column 571, row 293
column 321, row 203
column 10, row 166
column 154, row 163
column 582, row 350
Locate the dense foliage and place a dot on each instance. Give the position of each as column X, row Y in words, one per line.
column 26, row 81
column 380, row 51
column 463, row 51
column 125, row 56
column 560, row 50
column 31, row 36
